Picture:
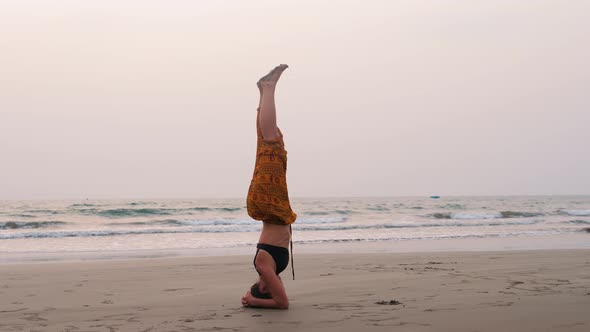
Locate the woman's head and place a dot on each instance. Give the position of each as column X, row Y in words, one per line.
column 258, row 290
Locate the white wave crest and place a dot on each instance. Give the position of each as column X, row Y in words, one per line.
column 470, row 216
column 215, row 222
column 578, row 213
column 321, row 220
column 231, row 222
column 250, row 227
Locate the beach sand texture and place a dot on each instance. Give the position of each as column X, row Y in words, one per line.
column 541, row 290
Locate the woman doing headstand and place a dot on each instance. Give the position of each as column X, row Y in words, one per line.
column 268, row 201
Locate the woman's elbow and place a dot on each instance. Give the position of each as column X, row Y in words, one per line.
column 283, row 304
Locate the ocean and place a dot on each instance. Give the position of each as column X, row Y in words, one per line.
column 30, row 229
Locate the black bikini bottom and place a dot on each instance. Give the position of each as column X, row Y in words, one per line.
column 279, row 254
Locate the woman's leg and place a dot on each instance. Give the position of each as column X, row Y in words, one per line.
column 267, row 116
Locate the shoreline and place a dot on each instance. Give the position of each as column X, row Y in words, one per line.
column 514, row 243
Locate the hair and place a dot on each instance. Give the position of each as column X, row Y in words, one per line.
column 255, row 291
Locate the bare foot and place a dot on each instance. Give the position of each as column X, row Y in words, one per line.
column 271, row 79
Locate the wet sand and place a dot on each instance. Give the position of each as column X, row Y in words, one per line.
column 537, row 290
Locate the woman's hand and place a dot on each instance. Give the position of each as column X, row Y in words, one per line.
column 247, row 299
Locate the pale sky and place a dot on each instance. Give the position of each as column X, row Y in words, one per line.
column 157, row 99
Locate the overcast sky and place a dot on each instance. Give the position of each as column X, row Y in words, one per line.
column 157, row 99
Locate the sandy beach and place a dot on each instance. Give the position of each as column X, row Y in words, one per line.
column 538, row 290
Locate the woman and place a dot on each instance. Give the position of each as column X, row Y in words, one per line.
column 268, row 201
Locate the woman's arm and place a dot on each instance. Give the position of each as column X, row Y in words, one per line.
column 250, row 301
column 265, row 266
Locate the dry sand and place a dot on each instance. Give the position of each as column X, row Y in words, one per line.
column 452, row 291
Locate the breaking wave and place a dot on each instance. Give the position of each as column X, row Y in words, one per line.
column 224, row 222
column 121, row 213
column 226, row 226
column 577, row 213
column 29, row 224
column 579, row 222
column 146, row 212
column 495, row 215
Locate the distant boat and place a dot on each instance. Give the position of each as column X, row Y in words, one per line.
column 435, row 197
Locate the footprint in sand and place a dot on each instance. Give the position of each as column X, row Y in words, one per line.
column 391, row 302
column 176, row 289
column 382, row 321
column 569, row 325
column 440, row 309
column 410, row 323
column 34, row 317
column 15, row 310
